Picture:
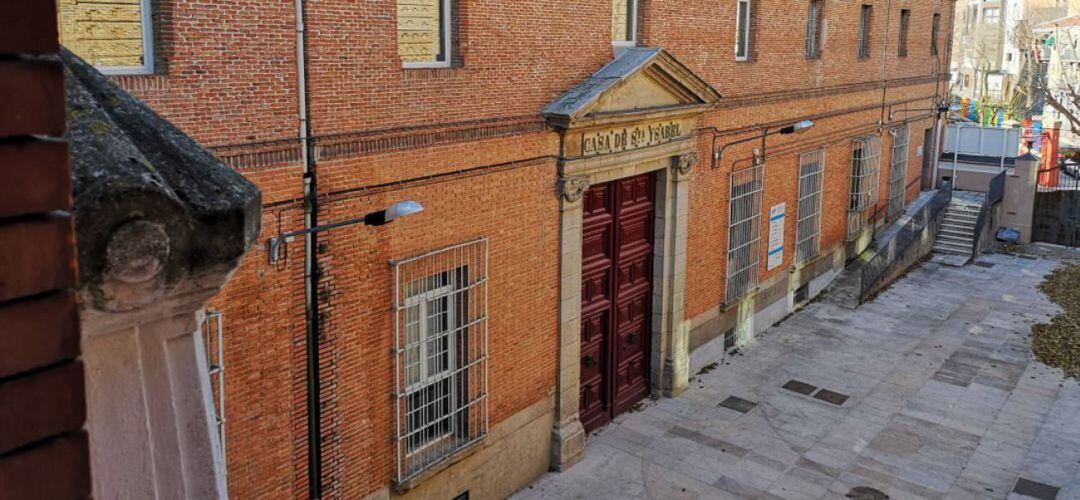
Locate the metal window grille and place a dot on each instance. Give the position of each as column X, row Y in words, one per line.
column 898, row 171
column 865, row 166
column 813, row 29
column 905, row 22
column 811, row 181
column 865, row 15
column 440, row 321
column 744, row 230
column 213, row 330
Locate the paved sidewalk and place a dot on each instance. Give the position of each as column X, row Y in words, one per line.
column 943, row 401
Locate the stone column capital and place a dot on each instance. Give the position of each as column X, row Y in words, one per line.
column 573, row 188
column 684, row 163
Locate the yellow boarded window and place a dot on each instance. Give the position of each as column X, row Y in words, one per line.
column 623, row 15
column 114, row 35
column 423, row 32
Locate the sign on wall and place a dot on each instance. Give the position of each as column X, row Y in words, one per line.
column 777, row 216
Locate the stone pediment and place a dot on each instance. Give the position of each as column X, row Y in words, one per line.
column 639, row 81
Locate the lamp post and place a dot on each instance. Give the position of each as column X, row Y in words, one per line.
column 765, row 132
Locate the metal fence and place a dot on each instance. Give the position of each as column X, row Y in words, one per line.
column 994, row 193
column 440, row 321
column 877, row 268
column 744, row 231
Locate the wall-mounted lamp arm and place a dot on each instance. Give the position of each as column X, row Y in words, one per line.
column 382, row 217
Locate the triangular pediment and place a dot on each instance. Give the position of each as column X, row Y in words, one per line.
column 638, row 80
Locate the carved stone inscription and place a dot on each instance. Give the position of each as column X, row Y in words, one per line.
column 629, row 138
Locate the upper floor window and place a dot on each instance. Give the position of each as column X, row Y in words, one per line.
column 624, row 22
column 813, row 29
column 116, row 36
column 423, row 33
column 992, row 16
column 935, row 32
column 742, row 30
column 905, row 22
column 865, row 17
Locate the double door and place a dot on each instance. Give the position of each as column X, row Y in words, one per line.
column 616, row 296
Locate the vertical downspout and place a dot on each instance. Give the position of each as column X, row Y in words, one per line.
column 311, row 268
column 884, row 62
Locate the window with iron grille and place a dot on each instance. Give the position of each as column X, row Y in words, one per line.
column 898, row 171
column 905, row 22
column 865, row 166
column 744, row 231
column 865, row 17
column 440, row 309
column 742, row 30
column 935, row 32
column 808, row 230
column 624, row 22
column 813, row 29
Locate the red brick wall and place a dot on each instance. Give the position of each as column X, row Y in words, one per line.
column 469, row 143
column 43, row 448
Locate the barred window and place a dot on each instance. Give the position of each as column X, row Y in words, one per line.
column 898, row 171
column 742, row 30
column 813, row 29
column 744, row 231
column 865, row 17
column 624, row 22
column 865, row 166
column 811, row 181
column 423, row 33
column 905, row 22
column 441, row 354
column 116, row 36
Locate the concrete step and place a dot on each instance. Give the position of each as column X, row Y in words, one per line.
column 961, row 232
column 966, row 216
column 958, row 226
column 956, row 240
column 942, row 246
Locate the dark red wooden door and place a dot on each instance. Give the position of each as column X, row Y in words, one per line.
column 616, row 296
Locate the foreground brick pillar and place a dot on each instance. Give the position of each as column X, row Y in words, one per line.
column 43, row 447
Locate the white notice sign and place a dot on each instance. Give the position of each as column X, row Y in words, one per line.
column 776, row 235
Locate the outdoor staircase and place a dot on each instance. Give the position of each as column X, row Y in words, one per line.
column 957, row 233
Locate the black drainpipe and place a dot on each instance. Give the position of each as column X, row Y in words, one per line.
column 311, row 263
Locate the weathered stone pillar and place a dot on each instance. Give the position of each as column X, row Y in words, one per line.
column 161, row 225
column 568, row 436
column 1018, row 204
column 671, row 216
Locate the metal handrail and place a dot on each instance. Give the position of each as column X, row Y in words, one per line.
column 994, row 193
column 875, row 269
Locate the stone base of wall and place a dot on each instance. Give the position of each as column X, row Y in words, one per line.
column 515, row 452
column 774, row 301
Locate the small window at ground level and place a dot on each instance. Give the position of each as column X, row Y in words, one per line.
column 116, row 36
column 905, row 22
column 440, row 318
column 742, row 30
column 813, row 29
column 423, row 33
column 866, row 14
column 624, row 22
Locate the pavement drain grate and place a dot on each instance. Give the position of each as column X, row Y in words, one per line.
column 986, row 265
column 1035, row 489
column 866, row 493
column 831, row 397
column 1027, row 257
column 800, row 387
column 738, row 404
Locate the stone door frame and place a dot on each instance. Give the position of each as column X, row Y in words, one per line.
column 668, row 354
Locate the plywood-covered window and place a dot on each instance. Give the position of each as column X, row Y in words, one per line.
column 624, row 22
column 116, row 36
column 423, row 33
column 905, row 24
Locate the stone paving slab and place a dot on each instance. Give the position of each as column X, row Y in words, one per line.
column 943, row 401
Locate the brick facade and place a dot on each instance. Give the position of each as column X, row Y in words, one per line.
column 43, row 447
column 469, row 143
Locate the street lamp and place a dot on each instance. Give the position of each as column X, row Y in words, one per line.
column 794, row 128
column 380, row 218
